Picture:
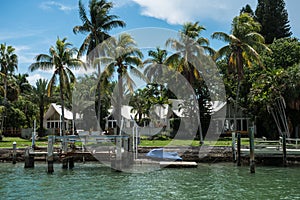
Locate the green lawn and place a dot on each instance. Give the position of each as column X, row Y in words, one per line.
column 8, row 141
column 220, row 142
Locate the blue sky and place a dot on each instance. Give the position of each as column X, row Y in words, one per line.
column 32, row 26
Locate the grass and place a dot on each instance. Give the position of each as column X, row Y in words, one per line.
column 220, row 142
column 22, row 143
column 7, row 142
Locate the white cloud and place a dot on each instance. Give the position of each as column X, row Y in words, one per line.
column 19, row 33
column 180, row 11
column 32, row 78
column 53, row 4
column 24, row 54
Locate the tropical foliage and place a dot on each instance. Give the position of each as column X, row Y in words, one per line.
column 61, row 59
column 96, row 25
column 255, row 74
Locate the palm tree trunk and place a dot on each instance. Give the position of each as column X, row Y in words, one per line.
column 41, row 120
column 240, row 76
column 236, row 105
column 99, row 96
column 63, row 127
column 119, row 102
column 4, row 111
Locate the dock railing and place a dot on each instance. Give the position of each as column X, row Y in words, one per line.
column 291, row 142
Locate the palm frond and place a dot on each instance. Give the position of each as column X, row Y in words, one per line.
column 41, row 65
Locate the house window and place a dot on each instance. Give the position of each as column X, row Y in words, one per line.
column 48, row 125
column 245, row 125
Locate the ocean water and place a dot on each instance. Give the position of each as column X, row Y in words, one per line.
column 95, row 181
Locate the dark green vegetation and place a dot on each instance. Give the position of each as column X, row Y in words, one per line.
column 257, row 63
column 273, row 17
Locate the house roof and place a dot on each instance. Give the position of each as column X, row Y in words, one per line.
column 55, row 108
column 162, row 111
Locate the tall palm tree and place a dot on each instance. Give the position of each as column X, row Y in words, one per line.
column 61, row 58
column 8, row 63
column 96, row 26
column 242, row 50
column 40, row 95
column 123, row 57
column 190, row 48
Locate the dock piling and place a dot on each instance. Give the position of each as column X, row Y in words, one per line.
column 238, row 149
column 233, row 147
column 71, row 162
column 252, row 159
column 14, row 154
column 50, row 158
column 29, row 159
column 284, row 149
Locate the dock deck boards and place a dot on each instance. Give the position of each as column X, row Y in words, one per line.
column 178, row 164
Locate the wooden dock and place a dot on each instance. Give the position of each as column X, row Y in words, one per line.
column 274, row 148
column 271, row 152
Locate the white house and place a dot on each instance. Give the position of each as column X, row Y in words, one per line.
column 53, row 118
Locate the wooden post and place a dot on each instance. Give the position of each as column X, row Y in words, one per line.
column 29, row 159
column 33, row 135
column 71, row 162
column 65, row 159
column 233, row 147
column 14, row 154
column 65, row 162
column 284, row 149
column 252, row 159
column 50, row 158
column 117, row 163
column 238, row 149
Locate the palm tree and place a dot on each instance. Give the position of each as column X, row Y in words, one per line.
column 154, row 65
column 243, row 46
column 61, row 58
column 96, row 26
column 40, row 95
column 123, row 57
column 22, row 82
column 8, row 63
column 242, row 49
column 190, row 48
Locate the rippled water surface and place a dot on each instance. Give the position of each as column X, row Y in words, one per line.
column 94, row 181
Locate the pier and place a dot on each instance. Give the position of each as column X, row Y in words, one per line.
column 272, row 151
column 115, row 149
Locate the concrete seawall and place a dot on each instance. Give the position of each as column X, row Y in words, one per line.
column 204, row 154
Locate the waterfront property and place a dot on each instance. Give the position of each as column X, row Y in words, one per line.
column 53, row 119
